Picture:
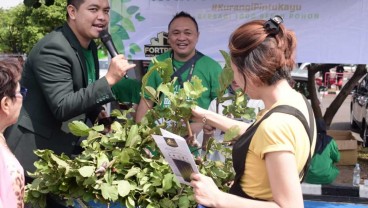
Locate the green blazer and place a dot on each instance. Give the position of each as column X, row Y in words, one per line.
column 55, row 75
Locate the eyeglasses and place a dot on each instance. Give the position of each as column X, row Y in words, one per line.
column 23, row 91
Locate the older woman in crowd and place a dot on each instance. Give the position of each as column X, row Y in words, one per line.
column 11, row 98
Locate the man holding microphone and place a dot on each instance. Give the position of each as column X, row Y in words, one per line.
column 61, row 74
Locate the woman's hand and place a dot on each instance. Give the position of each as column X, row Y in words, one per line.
column 199, row 113
column 205, row 190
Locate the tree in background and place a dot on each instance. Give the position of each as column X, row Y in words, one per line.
column 337, row 102
column 21, row 27
column 38, row 3
column 10, row 30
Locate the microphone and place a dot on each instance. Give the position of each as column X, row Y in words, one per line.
column 107, row 41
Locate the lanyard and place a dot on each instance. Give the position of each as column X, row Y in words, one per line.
column 191, row 62
column 189, row 77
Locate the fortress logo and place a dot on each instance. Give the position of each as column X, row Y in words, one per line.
column 158, row 45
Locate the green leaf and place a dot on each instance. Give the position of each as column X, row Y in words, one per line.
column 134, row 47
column 61, row 163
column 194, row 89
column 146, row 188
column 123, row 188
column 102, row 159
column 231, row 133
column 167, row 181
column 219, row 173
column 151, row 91
column 132, row 172
column 166, row 203
column 98, row 128
column 116, row 127
column 109, row 192
column 151, row 206
column 78, row 128
column 119, row 34
column 115, row 17
column 226, row 76
column 132, row 9
column 89, row 181
column 130, row 202
column 168, row 90
column 184, row 202
column 133, row 137
column 139, row 17
column 128, row 25
column 132, row 51
column 143, row 180
column 176, row 182
column 165, row 69
column 124, row 156
column 86, row 171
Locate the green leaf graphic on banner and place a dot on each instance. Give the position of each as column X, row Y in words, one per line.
column 123, row 18
column 139, row 17
column 120, row 32
column 132, row 9
column 115, row 17
column 134, row 48
column 128, row 24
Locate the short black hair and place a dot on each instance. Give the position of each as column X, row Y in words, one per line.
column 75, row 3
column 186, row 15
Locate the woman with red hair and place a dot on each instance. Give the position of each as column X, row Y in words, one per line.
column 270, row 156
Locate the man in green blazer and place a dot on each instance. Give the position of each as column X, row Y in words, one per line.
column 60, row 75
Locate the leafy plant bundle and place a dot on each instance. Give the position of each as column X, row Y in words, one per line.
column 238, row 107
column 176, row 118
column 125, row 165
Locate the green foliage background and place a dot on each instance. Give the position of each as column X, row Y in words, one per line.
column 21, row 27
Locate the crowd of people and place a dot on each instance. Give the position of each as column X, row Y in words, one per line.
column 61, row 79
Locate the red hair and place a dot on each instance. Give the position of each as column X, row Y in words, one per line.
column 259, row 55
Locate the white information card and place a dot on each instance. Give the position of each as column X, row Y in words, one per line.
column 176, row 152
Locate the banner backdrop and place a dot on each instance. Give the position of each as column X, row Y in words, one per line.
column 329, row 31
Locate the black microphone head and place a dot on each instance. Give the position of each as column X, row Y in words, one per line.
column 107, row 41
column 105, row 36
